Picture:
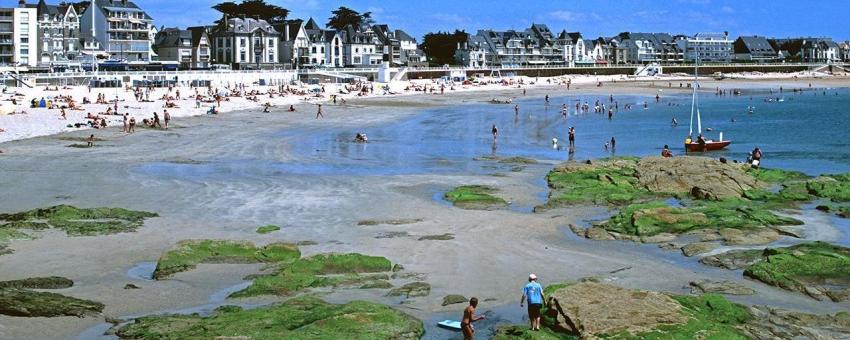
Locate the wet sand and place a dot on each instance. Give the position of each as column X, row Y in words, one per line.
column 491, row 254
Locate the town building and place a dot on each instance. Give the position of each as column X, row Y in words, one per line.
column 753, row 48
column 807, row 50
column 189, row 47
column 641, row 48
column 707, row 48
column 362, row 47
column 536, row 45
column 397, row 47
column 119, row 28
column 58, row 34
column 19, row 35
column 474, row 52
column 844, row 51
column 294, row 44
column 572, row 48
column 325, row 46
column 245, row 43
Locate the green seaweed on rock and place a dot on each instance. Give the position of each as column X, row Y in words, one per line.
column 474, row 197
column 299, row 318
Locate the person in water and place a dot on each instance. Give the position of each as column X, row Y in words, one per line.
column 572, row 136
column 755, row 157
column 90, row 140
column 495, row 132
column 666, row 152
column 361, row 138
column 468, row 318
column 533, row 293
column 291, row 108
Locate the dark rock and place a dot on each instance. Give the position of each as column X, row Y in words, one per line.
column 453, row 299
column 413, row 289
column 50, row 282
column 26, row 303
column 721, row 287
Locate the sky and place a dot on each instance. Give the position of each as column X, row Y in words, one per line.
column 593, row 18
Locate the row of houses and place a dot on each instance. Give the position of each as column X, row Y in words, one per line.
column 538, row 45
column 248, row 43
column 68, row 33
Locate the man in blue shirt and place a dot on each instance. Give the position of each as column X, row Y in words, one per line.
column 533, row 293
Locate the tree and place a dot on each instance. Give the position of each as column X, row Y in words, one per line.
column 253, row 9
column 345, row 16
column 440, row 47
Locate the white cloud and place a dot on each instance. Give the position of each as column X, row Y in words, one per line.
column 565, row 15
column 452, row 18
column 727, row 9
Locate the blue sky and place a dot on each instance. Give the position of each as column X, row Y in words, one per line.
column 593, row 18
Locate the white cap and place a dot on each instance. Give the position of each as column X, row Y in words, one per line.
column 532, row 277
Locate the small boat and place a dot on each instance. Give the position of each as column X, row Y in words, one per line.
column 701, row 144
column 449, row 324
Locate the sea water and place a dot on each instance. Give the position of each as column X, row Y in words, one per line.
column 808, row 131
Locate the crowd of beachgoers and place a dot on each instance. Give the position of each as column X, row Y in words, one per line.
column 46, row 110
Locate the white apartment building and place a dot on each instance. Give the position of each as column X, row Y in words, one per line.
column 19, row 35
column 119, row 27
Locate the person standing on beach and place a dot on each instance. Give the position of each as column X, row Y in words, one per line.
column 533, row 294
column 132, row 125
column 156, row 120
column 167, row 117
column 319, row 112
column 468, row 318
column 126, row 127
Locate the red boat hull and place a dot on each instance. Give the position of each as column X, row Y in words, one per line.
column 708, row 146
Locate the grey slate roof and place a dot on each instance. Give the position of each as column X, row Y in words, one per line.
column 753, row 44
column 247, row 25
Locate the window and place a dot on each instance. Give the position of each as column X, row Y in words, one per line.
column 314, row 50
column 242, row 56
column 242, row 42
column 271, row 43
column 323, row 49
column 25, row 40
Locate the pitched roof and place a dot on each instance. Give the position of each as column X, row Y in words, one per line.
column 751, row 44
column 171, row 37
column 312, row 25
column 247, row 25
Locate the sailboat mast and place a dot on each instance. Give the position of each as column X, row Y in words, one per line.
column 696, row 98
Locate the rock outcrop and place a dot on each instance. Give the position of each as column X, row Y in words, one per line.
column 707, row 178
column 605, row 309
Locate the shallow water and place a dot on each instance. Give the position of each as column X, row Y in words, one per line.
column 806, row 132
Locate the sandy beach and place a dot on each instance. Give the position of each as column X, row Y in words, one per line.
column 490, row 253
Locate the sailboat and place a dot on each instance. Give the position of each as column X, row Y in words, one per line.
column 701, row 144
